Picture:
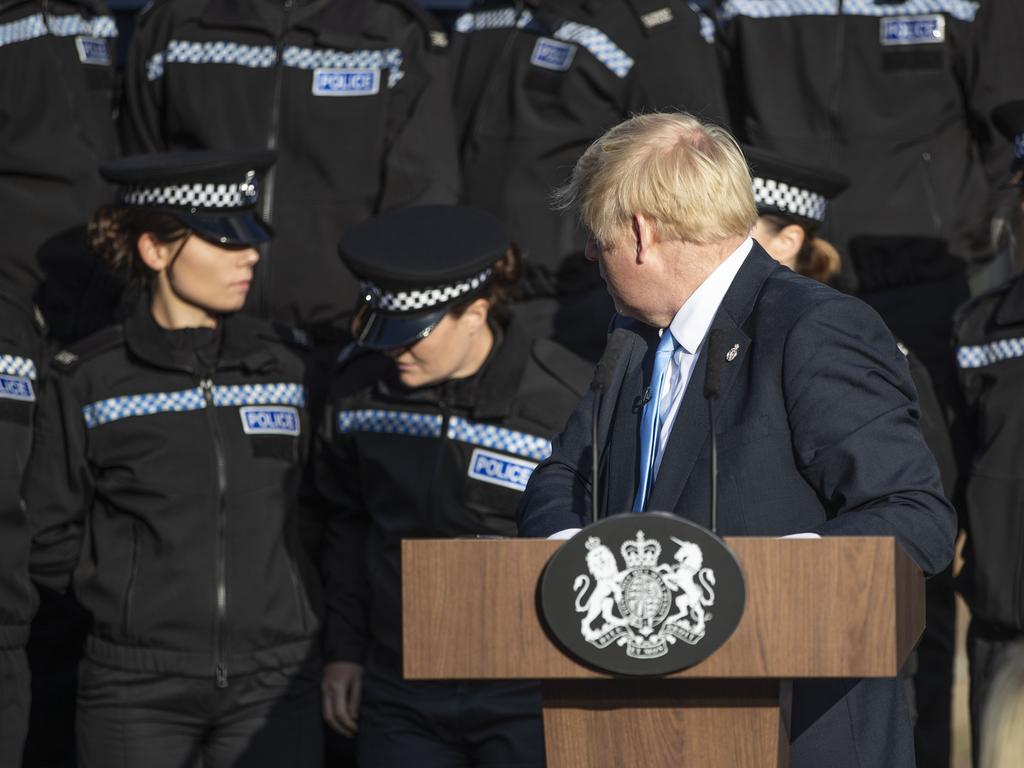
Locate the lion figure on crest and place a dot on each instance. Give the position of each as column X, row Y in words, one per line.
column 607, row 588
column 684, row 576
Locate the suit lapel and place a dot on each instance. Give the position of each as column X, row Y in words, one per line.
column 690, row 430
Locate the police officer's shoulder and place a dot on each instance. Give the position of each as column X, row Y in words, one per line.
column 973, row 315
column 357, row 370
column 156, row 12
column 563, row 365
column 89, row 349
column 434, row 35
column 286, row 335
column 658, row 17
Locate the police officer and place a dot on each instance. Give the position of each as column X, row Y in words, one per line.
column 989, row 337
column 21, row 356
column 435, row 423
column 536, row 83
column 164, row 482
column 56, row 79
column 350, row 93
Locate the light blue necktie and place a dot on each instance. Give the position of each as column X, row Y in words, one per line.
column 649, row 419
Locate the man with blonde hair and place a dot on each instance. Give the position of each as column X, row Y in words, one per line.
column 816, row 418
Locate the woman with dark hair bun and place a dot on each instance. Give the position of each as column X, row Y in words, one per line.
column 437, row 416
column 164, row 484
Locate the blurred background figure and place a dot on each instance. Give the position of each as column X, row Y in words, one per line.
column 352, row 96
column 56, row 128
column 989, row 337
column 535, row 84
column 165, row 474
column 792, row 200
column 1002, row 738
column 435, row 424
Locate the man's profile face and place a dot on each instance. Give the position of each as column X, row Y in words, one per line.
column 620, row 271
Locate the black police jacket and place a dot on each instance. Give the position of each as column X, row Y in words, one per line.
column 165, row 477
column 446, row 460
column 56, row 128
column 989, row 334
column 21, row 356
column 537, row 82
column 890, row 94
column 351, row 94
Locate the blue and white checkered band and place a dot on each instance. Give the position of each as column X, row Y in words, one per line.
column 265, row 57
column 1018, row 146
column 964, row 10
column 390, row 422
column 150, row 403
column 499, row 438
column 707, row 24
column 425, row 298
column 18, row 366
column 600, row 46
column 981, row 355
column 35, row 26
column 210, row 197
column 789, row 199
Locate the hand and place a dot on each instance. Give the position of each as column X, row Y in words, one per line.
column 342, row 690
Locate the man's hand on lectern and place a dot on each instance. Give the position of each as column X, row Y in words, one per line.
column 342, row 689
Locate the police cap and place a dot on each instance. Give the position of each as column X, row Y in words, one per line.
column 414, row 264
column 787, row 188
column 1009, row 119
column 214, row 194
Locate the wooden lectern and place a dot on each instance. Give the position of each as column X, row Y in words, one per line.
column 833, row 607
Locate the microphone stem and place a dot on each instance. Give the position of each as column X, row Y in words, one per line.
column 595, row 500
column 714, row 467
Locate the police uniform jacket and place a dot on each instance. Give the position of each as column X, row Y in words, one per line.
column 164, row 478
column 351, row 96
column 989, row 335
column 21, row 356
column 890, row 94
column 445, row 460
column 56, row 79
column 537, row 82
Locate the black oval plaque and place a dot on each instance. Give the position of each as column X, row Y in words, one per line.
column 642, row 594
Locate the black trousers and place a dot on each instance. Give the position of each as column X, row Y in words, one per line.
column 14, row 705
column 448, row 724
column 987, row 649
column 267, row 719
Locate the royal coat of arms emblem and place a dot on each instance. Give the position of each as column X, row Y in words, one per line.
column 649, row 605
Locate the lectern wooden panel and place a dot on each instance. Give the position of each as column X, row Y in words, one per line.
column 833, row 607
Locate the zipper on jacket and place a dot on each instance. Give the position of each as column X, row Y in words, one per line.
column 297, row 589
column 270, row 181
column 929, row 191
column 220, row 671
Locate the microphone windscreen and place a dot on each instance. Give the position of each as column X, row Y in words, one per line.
column 715, row 358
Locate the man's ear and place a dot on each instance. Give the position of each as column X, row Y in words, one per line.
column 645, row 234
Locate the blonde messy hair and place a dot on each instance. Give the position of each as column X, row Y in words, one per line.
column 689, row 177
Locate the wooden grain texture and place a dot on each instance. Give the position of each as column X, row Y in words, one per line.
column 664, row 723
column 833, row 607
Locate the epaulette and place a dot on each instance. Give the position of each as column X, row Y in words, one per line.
column 78, row 352
column 289, row 336
column 985, row 297
column 565, row 366
column 436, row 36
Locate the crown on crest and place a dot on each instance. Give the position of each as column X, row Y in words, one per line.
column 593, row 542
column 640, row 552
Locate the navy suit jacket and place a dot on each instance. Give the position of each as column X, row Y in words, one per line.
column 817, row 430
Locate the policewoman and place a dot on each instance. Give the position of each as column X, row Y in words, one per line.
column 435, row 422
column 163, row 486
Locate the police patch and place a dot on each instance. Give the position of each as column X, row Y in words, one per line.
column 346, row 82
column 92, row 50
column 264, row 420
column 17, row 388
column 499, row 469
column 913, row 30
column 552, row 54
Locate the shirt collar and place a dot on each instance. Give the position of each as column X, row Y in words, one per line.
column 691, row 323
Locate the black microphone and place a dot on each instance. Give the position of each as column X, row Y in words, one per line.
column 613, row 352
column 712, row 389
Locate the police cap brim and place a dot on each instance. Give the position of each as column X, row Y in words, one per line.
column 381, row 330
column 237, row 229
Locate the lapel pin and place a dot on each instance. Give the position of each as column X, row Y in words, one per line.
column 731, row 354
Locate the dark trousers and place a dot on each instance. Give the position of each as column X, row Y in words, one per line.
column 449, row 724
column 267, row 719
column 14, row 705
column 987, row 650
